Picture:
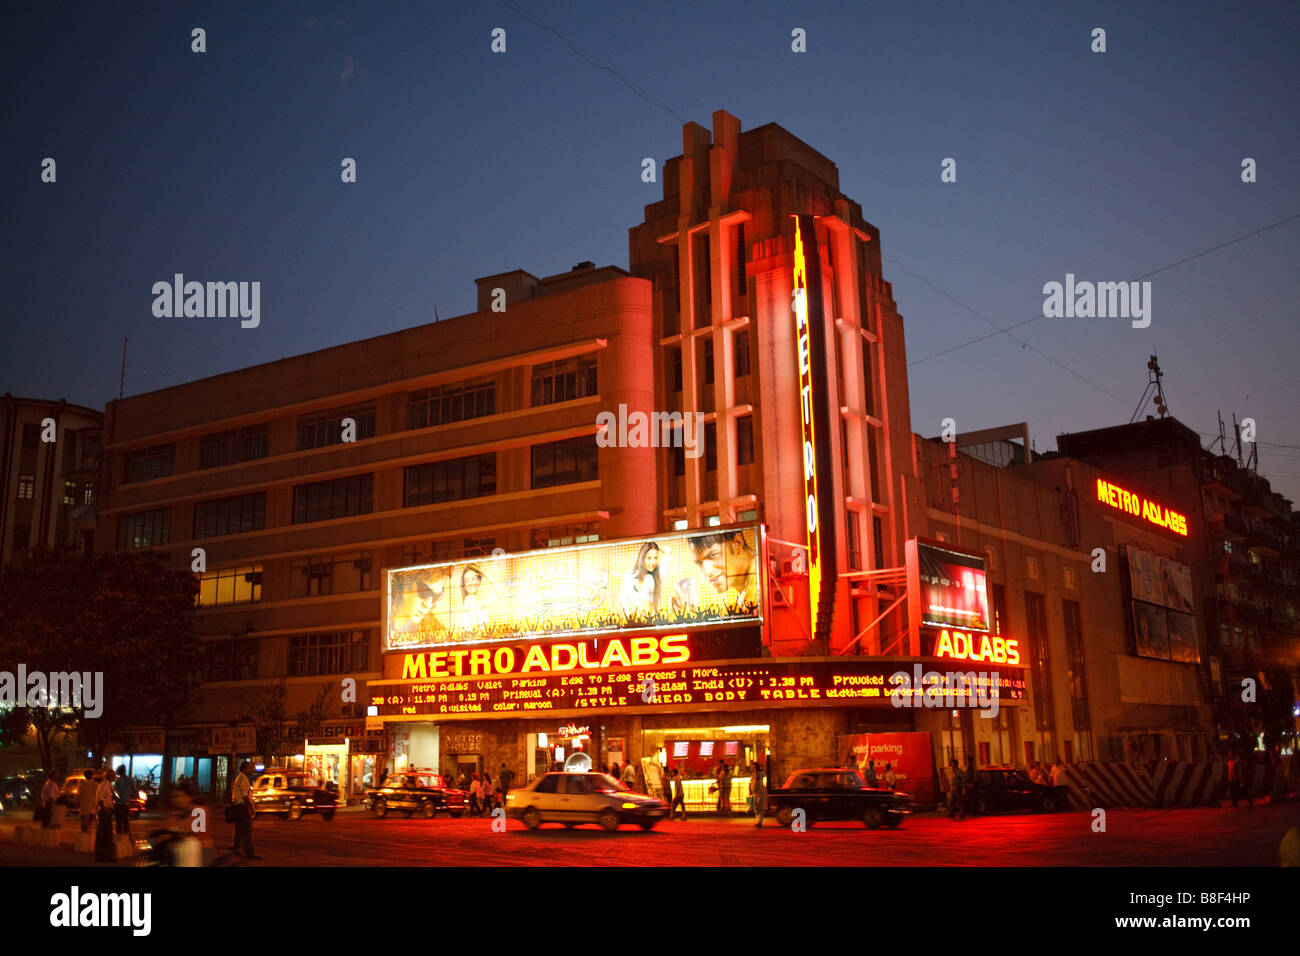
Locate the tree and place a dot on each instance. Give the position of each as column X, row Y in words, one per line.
column 268, row 722
column 311, row 719
column 124, row 622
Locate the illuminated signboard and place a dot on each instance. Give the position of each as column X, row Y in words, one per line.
column 673, row 581
column 948, row 586
column 982, row 648
column 707, row 686
column 645, row 650
column 1116, row 497
column 1164, row 621
column 801, row 335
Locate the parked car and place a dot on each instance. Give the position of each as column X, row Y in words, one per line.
column 68, row 793
column 19, row 793
column 290, row 793
column 415, row 791
column 836, row 794
column 573, row 798
column 1002, row 789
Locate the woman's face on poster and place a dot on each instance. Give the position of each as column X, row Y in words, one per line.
column 472, row 580
column 651, row 561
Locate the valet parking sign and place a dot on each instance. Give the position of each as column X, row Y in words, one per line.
column 908, row 754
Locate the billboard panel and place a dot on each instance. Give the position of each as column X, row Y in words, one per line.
column 1182, row 638
column 1152, row 631
column 675, row 580
column 1144, row 576
column 952, row 588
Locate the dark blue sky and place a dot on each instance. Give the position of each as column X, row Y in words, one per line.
column 225, row 166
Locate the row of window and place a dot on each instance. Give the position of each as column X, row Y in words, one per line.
column 740, row 352
column 552, row 382
column 555, row 463
column 310, row 655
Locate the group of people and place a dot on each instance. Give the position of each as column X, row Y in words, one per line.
column 484, row 798
column 885, row 779
column 964, row 786
column 104, row 806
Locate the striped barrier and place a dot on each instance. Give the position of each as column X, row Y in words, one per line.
column 1168, row 783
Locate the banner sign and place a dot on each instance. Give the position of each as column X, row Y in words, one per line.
column 795, row 682
column 676, row 580
column 909, row 755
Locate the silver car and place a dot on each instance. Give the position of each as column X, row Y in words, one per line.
column 573, row 798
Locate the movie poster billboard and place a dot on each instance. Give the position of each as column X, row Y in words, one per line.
column 1183, row 645
column 1151, row 630
column 1178, row 586
column 952, row 588
column 674, row 580
column 1145, row 577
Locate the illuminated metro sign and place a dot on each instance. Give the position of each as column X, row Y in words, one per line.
column 1116, row 497
column 984, row 648
column 647, row 651
column 809, row 453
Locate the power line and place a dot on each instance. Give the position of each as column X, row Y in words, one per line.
column 1147, row 275
column 600, row 66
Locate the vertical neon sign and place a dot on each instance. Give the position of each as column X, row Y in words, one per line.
column 801, row 335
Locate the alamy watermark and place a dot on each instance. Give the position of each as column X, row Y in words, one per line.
column 945, row 690
column 212, row 300
column 624, row 429
column 69, row 690
column 1099, row 300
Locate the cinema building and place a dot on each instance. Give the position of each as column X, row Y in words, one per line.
column 671, row 515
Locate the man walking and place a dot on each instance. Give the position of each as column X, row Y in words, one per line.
column 679, row 795
column 870, row 775
column 105, row 849
column 123, row 791
column 956, row 791
column 86, row 805
column 241, row 797
column 758, row 790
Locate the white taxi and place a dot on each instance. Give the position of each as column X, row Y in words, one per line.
column 573, row 798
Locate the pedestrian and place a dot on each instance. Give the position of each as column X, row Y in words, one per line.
column 972, row 779
column 870, row 775
column 890, row 778
column 720, row 775
column 1036, row 774
column 1235, row 788
column 1058, row 773
column 629, row 775
column 49, row 800
column 476, row 796
column 504, row 779
column 615, row 772
column 86, row 801
column 679, row 795
column 105, row 851
column 123, row 791
column 487, row 793
column 956, row 788
column 758, row 791
column 241, row 796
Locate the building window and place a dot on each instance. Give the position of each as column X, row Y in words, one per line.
column 565, row 380
column 69, row 492
column 866, row 376
column 745, row 440
column 740, row 343
column 319, row 575
column 998, row 596
column 1036, row 632
column 31, row 436
column 479, row 547
column 702, row 267
column 234, row 445
column 708, row 361
column 230, row 586
column 26, row 487
column 230, row 515
column 565, row 462
column 677, row 370
column 230, row 660
column 320, row 429
column 855, row 541
column 677, row 279
column 443, row 404
column 339, row 652
column 87, row 544
column 338, row 498
column 452, row 480
column 1078, row 677
column 559, row 537
column 678, row 453
column 144, row 529
column 87, row 493
column 878, row 539
column 144, row 464
column 69, row 449
column 742, row 257
column 711, row 446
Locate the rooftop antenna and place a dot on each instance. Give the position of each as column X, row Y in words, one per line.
column 1154, row 382
column 121, row 384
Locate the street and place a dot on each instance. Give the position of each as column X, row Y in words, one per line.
column 1196, row 837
